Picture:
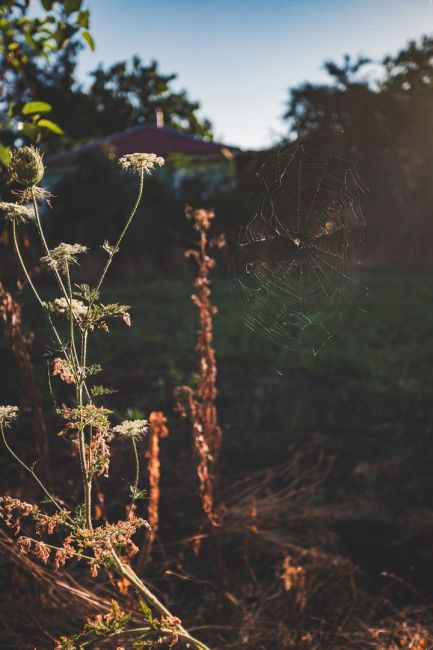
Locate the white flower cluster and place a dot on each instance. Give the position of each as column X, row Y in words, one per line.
column 61, row 306
column 135, row 429
column 141, row 162
column 15, row 212
column 63, row 255
column 8, row 414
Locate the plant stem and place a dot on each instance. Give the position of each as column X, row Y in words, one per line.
column 85, row 466
column 74, row 361
column 71, row 323
column 80, row 556
column 35, row 291
column 29, row 469
column 129, row 573
column 137, row 474
column 147, row 630
column 45, row 246
column 86, row 476
column 115, row 248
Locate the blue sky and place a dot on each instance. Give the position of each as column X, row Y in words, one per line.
column 239, row 57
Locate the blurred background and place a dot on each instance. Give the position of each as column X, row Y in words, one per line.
column 215, row 88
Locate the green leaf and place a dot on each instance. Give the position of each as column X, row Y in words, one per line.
column 89, row 40
column 51, row 126
column 59, row 35
column 36, row 107
column 5, row 154
column 72, row 5
column 47, row 4
column 83, row 19
column 30, row 131
column 145, row 610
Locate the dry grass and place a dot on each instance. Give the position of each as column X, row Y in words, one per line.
column 18, row 344
column 38, row 604
column 272, row 575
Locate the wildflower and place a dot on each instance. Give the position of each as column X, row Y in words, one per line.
column 62, row 306
column 63, row 255
column 26, row 166
column 42, row 552
column 12, row 510
column 140, row 162
column 88, row 415
column 135, row 429
column 8, row 414
column 99, row 314
column 47, row 524
column 15, row 212
column 24, row 545
column 29, row 193
column 116, row 619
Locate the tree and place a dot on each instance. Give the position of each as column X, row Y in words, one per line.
column 345, row 113
column 383, row 124
column 24, row 41
column 124, row 95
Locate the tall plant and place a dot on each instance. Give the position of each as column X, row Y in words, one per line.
column 200, row 404
column 87, row 425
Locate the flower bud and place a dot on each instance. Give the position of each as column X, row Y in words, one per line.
column 26, row 166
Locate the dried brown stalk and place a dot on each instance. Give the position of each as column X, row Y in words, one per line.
column 158, row 430
column 199, row 404
column 18, row 343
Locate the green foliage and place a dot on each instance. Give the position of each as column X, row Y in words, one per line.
column 74, row 213
column 24, row 41
column 22, row 37
column 384, row 124
column 99, row 391
column 120, row 96
column 32, row 108
column 50, row 126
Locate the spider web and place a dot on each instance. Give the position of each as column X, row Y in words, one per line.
column 299, row 248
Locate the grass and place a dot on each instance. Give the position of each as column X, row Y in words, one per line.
column 366, row 397
column 372, row 376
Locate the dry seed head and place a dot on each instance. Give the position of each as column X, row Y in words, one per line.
column 140, row 162
column 63, row 255
column 26, row 166
column 16, row 212
column 62, row 306
column 8, row 414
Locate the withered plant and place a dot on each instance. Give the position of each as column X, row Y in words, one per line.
column 157, row 429
column 87, row 425
column 199, row 404
column 18, row 343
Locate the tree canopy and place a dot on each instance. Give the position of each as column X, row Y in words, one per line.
column 120, row 96
column 384, row 123
column 25, row 41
